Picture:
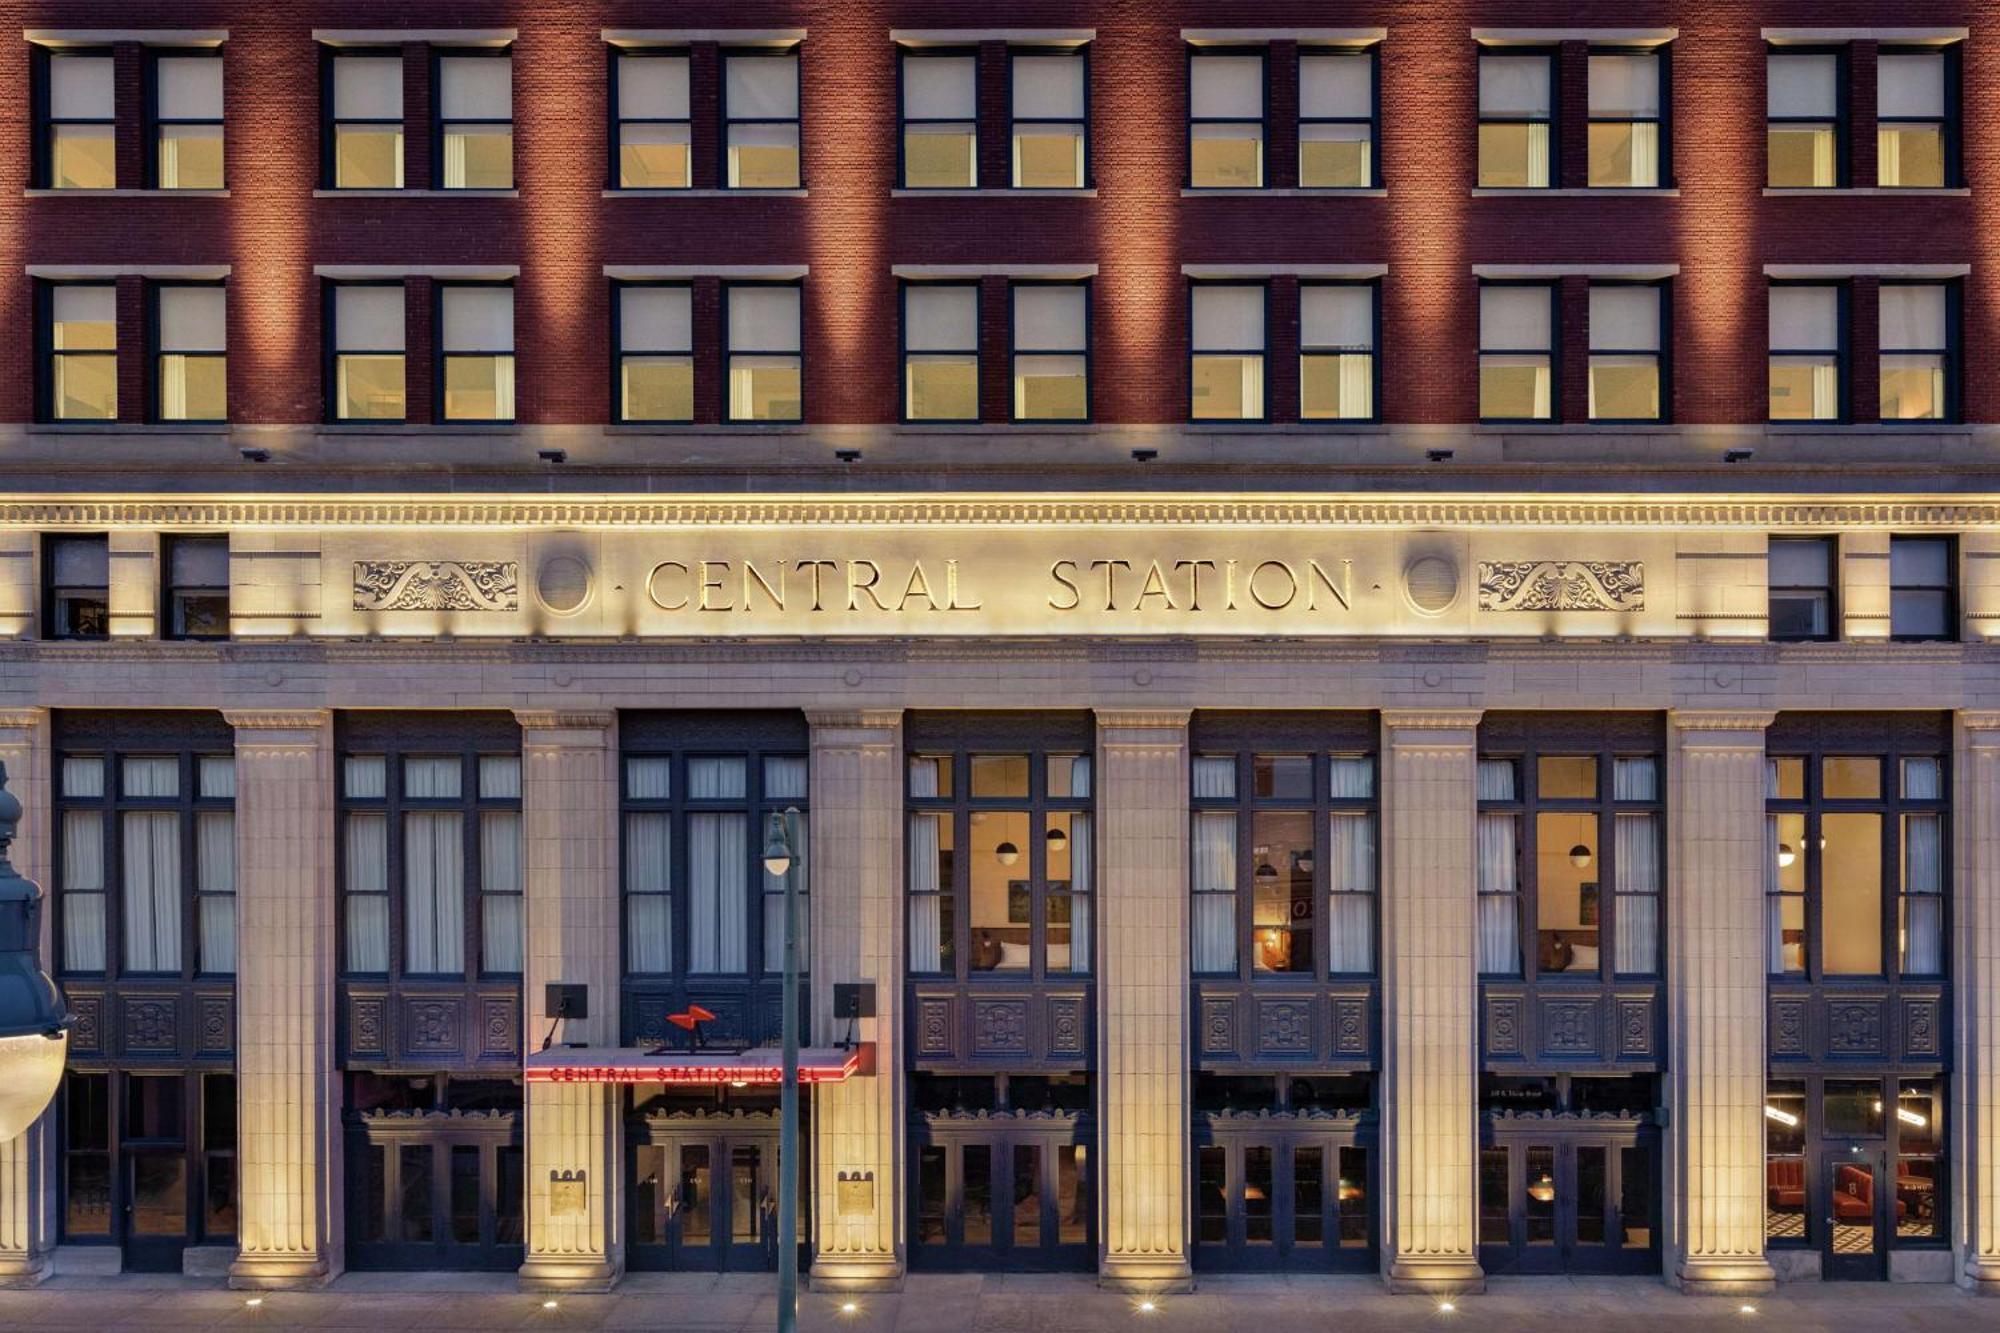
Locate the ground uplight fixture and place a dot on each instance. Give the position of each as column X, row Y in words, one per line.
column 253, row 455
column 553, row 455
column 1738, row 455
column 849, row 1307
column 1439, row 455
column 1446, row 1307
column 34, row 1022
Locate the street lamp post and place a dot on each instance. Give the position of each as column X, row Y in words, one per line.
column 34, row 1025
column 782, row 856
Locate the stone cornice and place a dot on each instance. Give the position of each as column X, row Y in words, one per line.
column 1431, row 719
column 542, row 719
column 1748, row 719
column 20, row 718
column 1155, row 510
column 275, row 719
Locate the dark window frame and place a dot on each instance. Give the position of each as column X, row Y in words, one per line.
column 42, row 90
column 725, row 122
column 332, row 351
column 1306, row 349
column 156, row 353
column 329, row 57
column 1263, row 354
column 1950, row 587
column 1950, row 124
column 619, row 351
column 1552, row 56
column 1843, row 354
column 1372, row 53
column 1842, row 122
column 904, row 352
column 1831, row 544
column 1662, row 356
column 1195, row 52
column 155, row 122
column 1015, row 351
column 1819, row 1142
column 441, row 357
column 53, row 621
column 905, row 54
column 438, row 125
column 1552, row 353
column 1664, row 167
column 1950, row 354
column 171, row 592
column 1015, row 120
column 46, row 353
column 616, row 123
column 730, row 353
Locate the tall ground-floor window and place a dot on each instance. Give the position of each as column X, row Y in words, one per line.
column 148, row 1162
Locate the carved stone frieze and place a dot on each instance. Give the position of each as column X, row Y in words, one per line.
column 1562, row 585
column 436, row 585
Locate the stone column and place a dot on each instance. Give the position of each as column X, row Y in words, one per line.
column 1715, row 1002
column 569, row 833
column 854, row 865
column 289, row 1217
column 27, row 1163
column 1142, row 968
column 1430, row 989
column 1975, row 1138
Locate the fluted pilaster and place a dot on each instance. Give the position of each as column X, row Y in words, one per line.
column 1976, row 964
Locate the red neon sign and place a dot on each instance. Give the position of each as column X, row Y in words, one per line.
column 702, row 1073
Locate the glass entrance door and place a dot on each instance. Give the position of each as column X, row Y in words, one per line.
column 1568, row 1202
column 1002, row 1193
column 1269, row 1199
column 1858, row 1212
column 705, row 1200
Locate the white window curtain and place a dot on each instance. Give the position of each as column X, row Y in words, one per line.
column 926, row 890
column 1774, row 898
column 648, row 904
column 367, row 855
column 1049, row 317
column 1496, row 780
column 369, row 319
column 1082, row 860
column 1351, row 777
column 1923, row 895
column 1228, row 319
column 499, row 777
column 431, row 777
column 151, row 850
column 215, row 884
column 1351, row 909
column 1637, row 845
column 1499, row 933
column 1770, row 779
column 151, row 775
column 365, row 777
column 649, row 779
column 1636, row 778
column 718, row 890
column 941, row 88
column 941, row 317
column 785, row 778
column 1215, row 777
column 433, row 893
column 216, row 776
column 719, row 779
column 83, row 888
column 1215, row 891
column 83, row 775
column 1923, row 780
column 1048, row 86
column 1801, row 86
column 500, row 888
column 774, row 891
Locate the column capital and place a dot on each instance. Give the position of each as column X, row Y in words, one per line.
column 276, row 719
column 1972, row 719
column 1143, row 719
column 579, row 719
column 1431, row 719
column 21, row 719
column 851, row 718
column 1721, row 719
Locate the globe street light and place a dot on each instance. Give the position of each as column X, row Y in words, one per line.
column 34, row 1024
column 783, row 854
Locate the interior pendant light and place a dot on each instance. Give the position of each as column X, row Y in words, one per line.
column 1057, row 840
column 1006, row 853
column 1787, row 856
column 1579, row 856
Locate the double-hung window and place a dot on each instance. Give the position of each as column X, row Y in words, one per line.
column 147, row 862
column 1225, row 119
column 1923, row 588
column 475, row 121
column 1337, row 366
column 940, row 351
column 652, row 132
column 1051, row 118
column 76, row 587
column 760, row 120
column 435, row 836
column 1517, row 351
column 1284, row 863
column 79, row 144
column 365, row 120
column 940, row 106
column 369, row 328
column 655, row 351
column 1517, row 140
column 1337, row 101
column 476, row 352
column 187, row 121
column 763, row 359
column 1626, row 321
column 1051, row 349
column 1627, row 119
column 195, row 595
column 1916, row 118
column 1808, row 352
column 81, row 372
column 190, row 352
column 1803, row 587
column 1917, row 366
column 1805, row 134
column 1226, row 352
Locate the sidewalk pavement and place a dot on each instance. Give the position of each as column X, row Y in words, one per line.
column 976, row 1303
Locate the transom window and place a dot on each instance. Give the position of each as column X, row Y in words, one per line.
column 1226, row 351
column 1225, row 119
column 941, row 351
column 1626, row 119
column 475, row 121
column 364, row 132
column 940, row 106
column 1916, row 117
column 1516, row 119
column 1284, row 876
column 1337, row 363
column 187, row 121
column 760, row 119
column 652, row 126
column 1569, row 859
column 655, row 351
column 1808, row 351
column 1337, row 119
column 698, row 900
column 1516, row 351
column 1625, row 326
column 367, row 342
column 1051, row 119
column 431, row 841
column 1805, row 135
column 79, row 114
column 1001, row 862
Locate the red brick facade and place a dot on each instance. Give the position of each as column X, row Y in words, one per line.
column 1429, row 229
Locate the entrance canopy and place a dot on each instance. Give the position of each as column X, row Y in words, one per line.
column 631, row 1064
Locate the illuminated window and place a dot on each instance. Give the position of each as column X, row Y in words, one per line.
column 1051, row 351
column 760, row 114
column 76, row 601
column 763, row 354
column 1802, row 586
column 1625, row 324
column 1923, row 588
column 82, row 371
column 1051, row 135
column 475, row 131
column 655, row 352
column 369, row 325
column 1916, row 127
column 365, row 131
column 80, row 152
column 1625, row 120
column 1916, row 338
column 195, row 597
column 191, row 362
column 476, row 351
column 1225, row 120
column 187, row 121
column 1808, row 365
column 653, row 126
column 1226, row 343
column 1337, row 351
column 1516, row 352
column 941, row 352
column 1804, row 127
column 1337, row 119
column 1516, row 120
column 940, row 120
